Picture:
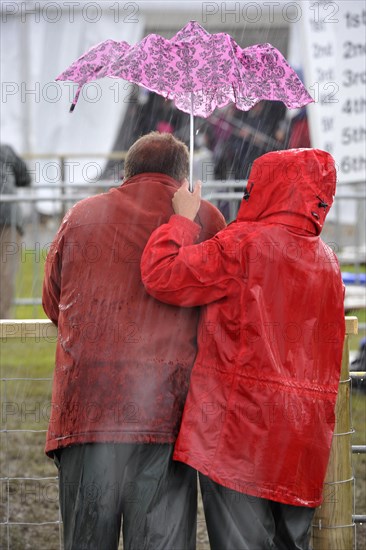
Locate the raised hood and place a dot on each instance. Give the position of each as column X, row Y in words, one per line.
column 295, row 187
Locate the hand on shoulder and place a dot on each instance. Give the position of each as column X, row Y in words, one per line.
column 186, row 203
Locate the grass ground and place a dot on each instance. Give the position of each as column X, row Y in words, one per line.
column 25, row 406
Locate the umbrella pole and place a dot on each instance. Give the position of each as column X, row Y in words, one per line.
column 191, row 145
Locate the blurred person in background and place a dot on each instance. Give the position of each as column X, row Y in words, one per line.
column 123, row 363
column 359, row 365
column 13, row 173
column 248, row 135
column 299, row 131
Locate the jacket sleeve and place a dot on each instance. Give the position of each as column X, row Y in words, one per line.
column 51, row 291
column 210, row 219
column 178, row 272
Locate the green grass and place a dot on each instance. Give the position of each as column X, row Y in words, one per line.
column 29, row 285
column 353, row 268
column 32, row 356
column 25, row 406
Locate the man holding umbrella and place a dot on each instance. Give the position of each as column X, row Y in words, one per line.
column 123, row 362
column 259, row 416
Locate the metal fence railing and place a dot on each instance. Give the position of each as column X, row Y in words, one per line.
column 344, row 229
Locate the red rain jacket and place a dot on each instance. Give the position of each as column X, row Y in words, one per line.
column 259, row 415
column 123, row 359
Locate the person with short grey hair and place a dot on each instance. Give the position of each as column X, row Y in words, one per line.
column 123, row 363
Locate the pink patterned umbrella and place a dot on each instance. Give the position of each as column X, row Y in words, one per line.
column 198, row 70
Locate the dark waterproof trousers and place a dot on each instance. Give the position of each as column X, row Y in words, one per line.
column 137, row 485
column 236, row 521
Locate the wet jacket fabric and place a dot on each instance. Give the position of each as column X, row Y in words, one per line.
column 123, row 359
column 259, row 415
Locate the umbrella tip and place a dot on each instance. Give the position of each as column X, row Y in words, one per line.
column 72, row 107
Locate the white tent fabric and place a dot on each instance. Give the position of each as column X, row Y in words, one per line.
column 35, row 109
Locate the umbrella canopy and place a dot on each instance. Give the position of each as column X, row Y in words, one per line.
column 99, row 61
column 198, row 70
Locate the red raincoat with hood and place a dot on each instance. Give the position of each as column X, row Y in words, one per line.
column 259, row 415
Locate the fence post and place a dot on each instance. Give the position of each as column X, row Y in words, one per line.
column 333, row 526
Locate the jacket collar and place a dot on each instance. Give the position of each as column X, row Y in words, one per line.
column 152, row 177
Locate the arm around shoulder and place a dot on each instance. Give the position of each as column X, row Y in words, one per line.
column 176, row 271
